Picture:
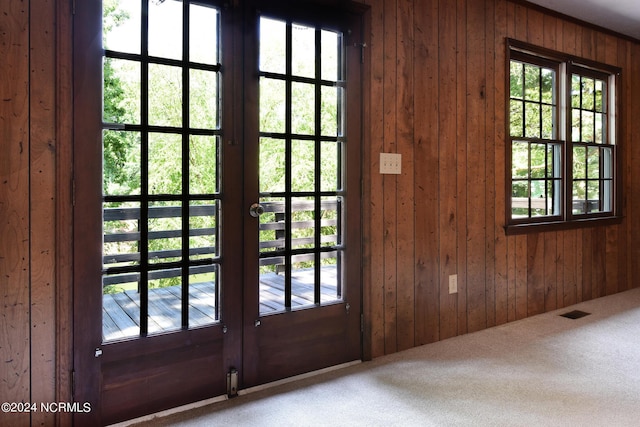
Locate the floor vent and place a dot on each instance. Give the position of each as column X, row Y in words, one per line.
column 575, row 314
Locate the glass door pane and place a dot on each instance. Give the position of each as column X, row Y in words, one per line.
column 161, row 184
column 301, row 165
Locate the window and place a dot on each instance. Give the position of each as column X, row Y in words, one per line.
column 562, row 149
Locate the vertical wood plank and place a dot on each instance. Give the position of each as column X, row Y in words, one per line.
column 390, row 182
column 535, row 27
column 521, row 277
column 568, row 269
column 426, row 172
column 43, row 212
column 599, row 271
column 14, row 209
column 587, row 263
column 535, row 274
column 405, row 191
column 461, row 164
column 550, row 260
column 64, row 209
column 447, row 165
column 501, row 253
column 374, row 240
column 476, row 183
column 490, row 172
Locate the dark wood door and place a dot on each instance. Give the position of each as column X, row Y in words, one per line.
column 217, row 227
column 302, row 164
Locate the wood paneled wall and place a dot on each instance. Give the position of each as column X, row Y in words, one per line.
column 437, row 97
column 437, row 74
column 35, row 190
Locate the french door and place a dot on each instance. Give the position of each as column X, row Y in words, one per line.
column 217, row 183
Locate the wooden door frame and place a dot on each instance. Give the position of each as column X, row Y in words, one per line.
column 87, row 215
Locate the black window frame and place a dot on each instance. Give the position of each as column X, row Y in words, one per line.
column 566, row 66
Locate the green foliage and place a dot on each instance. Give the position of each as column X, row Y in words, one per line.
column 122, row 149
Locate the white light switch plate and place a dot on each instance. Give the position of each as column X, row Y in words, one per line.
column 390, row 163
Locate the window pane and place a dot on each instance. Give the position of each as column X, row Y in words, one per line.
column 303, row 102
column 554, row 165
column 576, row 90
column 600, row 136
column 538, row 189
column 575, row 125
column 203, row 160
column 203, row 99
column 165, row 302
column 588, row 126
column 272, row 232
column 579, row 197
column 165, row 163
column 532, row 120
column 121, row 26
column 330, row 110
column 588, row 94
column 303, row 51
column 303, row 165
column 273, row 46
column 203, row 230
column 593, row 163
column 165, row 29
column 272, row 105
column 121, row 163
column 517, row 84
column 548, row 85
column 272, row 165
column 548, row 119
column 302, row 223
column 165, row 237
column 520, row 199
column 329, row 177
column 204, row 296
column 607, row 195
column 532, row 82
column 165, row 95
column 203, row 34
column 516, row 117
column 593, row 190
column 538, row 160
column 520, row 160
column 121, row 239
column 600, row 96
column 607, row 163
column 121, row 91
column 520, row 189
column 329, row 224
column 579, row 162
column 329, row 56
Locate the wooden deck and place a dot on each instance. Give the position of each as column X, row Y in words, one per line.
column 121, row 311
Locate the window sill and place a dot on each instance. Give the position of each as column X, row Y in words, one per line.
column 538, row 227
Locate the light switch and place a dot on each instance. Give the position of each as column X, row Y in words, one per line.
column 390, row 163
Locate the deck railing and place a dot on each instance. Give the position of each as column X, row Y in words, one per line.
column 124, row 266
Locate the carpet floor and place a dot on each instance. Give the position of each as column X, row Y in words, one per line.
column 547, row 370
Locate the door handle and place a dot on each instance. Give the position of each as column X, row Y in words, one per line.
column 256, row 209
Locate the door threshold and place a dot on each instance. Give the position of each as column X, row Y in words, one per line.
column 222, row 398
column 296, row 378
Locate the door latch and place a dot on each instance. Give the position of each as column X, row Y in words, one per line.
column 232, row 382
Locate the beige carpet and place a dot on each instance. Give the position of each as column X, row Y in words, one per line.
column 543, row 371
